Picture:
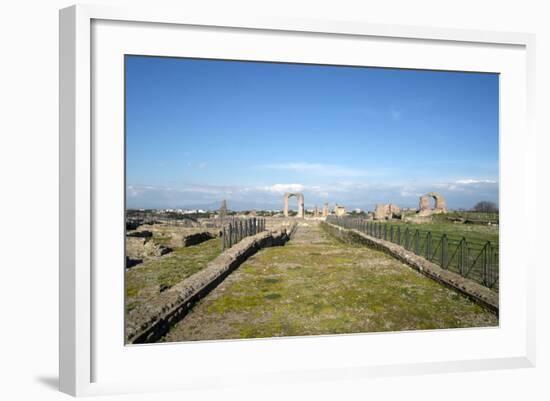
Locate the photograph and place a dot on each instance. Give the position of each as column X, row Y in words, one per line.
column 273, row 199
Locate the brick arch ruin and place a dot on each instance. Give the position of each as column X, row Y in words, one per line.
column 300, row 198
column 440, row 206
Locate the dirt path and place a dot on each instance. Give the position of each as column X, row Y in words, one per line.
column 318, row 285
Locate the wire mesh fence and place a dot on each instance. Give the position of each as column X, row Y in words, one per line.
column 237, row 229
column 478, row 261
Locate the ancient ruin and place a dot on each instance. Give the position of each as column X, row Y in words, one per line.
column 300, row 198
column 424, row 204
column 325, row 209
column 339, row 210
column 384, row 212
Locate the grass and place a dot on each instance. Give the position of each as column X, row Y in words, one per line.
column 473, row 233
column 318, row 285
column 160, row 239
column 476, row 236
column 148, row 279
column 472, row 216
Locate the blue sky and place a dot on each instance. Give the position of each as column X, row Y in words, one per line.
column 198, row 131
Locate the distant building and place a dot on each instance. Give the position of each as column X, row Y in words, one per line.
column 339, row 210
column 193, row 211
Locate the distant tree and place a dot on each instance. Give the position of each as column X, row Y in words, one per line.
column 486, row 207
column 356, row 213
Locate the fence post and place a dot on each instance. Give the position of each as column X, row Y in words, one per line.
column 493, row 270
column 398, row 235
column 428, row 245
column 461, row 257
column 444, row 243
column 486, row 256
column 385, row 232
column 228, row 235
column 417, row 242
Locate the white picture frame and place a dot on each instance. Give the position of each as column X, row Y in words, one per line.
column 82, row 351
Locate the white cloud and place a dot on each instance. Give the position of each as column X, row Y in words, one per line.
column 469, row 181
column 282, row 188
column 460, row 193
column 467, row 185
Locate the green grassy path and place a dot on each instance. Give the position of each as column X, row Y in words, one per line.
column 318, row 285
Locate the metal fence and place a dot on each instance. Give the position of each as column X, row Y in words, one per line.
column 478, row 261
column 238, row 229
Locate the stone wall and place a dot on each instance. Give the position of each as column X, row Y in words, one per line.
column 478, row 293
column 424, row 204
column 149, row 322
column 386, row 211
column 192, row 239
column 142, row 248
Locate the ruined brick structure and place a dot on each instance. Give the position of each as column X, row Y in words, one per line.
column 424, row 208
column 300, row 199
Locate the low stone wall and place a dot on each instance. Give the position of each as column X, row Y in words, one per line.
column 149, row 322
column 144, row 247
column 197, row 238
column 478, row 293
column 291, row 230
